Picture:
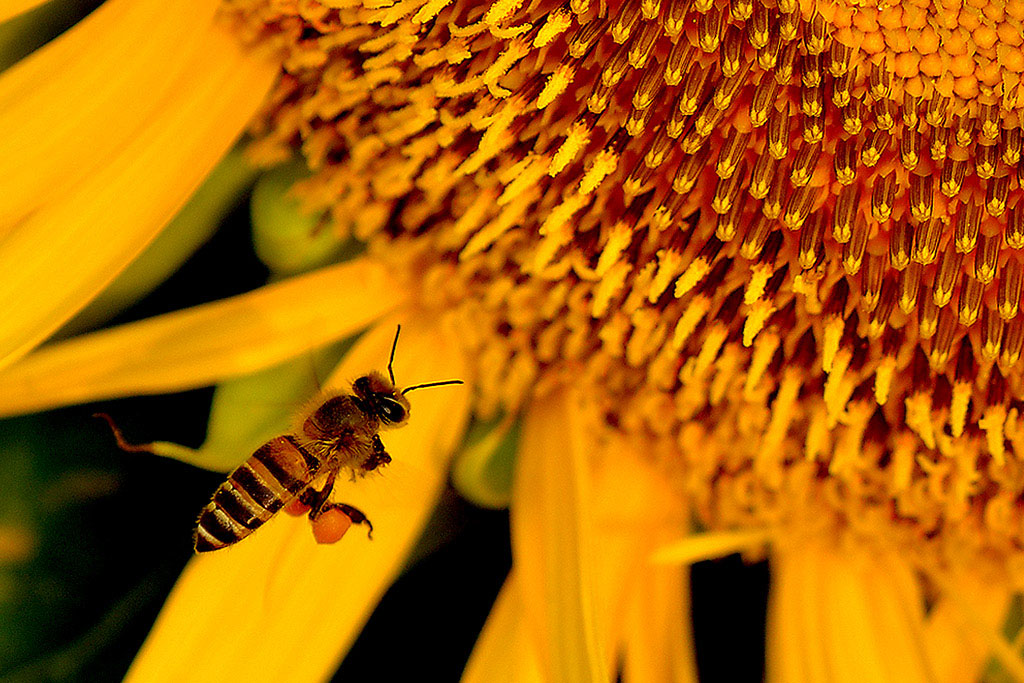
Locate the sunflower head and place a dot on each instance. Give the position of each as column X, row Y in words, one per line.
column 772, row 246
column 782, row 238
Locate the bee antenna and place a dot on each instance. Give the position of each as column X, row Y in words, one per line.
column 431, row 384
column 394, row 345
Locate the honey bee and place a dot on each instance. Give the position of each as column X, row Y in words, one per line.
column 341, row 434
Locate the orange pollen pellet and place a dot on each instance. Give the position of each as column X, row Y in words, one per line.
column 331, row 526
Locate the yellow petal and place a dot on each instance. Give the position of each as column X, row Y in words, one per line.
column 798, row 603
column 895, row 603
column 277, row 607
column 962, row 626
column 845, row 615
column 198, row 346
column 637, row 512
column 504, row 653
column 12, row 8
column 115, row 85
column 553, row 542
column 73, row 215
column 790, row 637
column 710, row 545
column 190, row 228
column 659, row 637
column 250, row 410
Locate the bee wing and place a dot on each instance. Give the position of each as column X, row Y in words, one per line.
column 382, row 487
column 397, row 503
column 378, row 494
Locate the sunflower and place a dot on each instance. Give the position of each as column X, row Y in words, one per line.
column 745, row 276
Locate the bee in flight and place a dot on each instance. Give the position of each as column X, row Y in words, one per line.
column 342, row 433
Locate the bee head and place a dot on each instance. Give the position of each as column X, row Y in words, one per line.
column 374, row 395
column 377, row 396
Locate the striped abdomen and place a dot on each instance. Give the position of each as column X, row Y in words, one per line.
column 277, row 472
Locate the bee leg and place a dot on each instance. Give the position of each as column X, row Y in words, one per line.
column 318, row 504
column 379, row 457
column 317, row 500
column 353, row 513
column 356, row 515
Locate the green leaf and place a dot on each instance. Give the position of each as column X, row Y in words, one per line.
column 248, row 411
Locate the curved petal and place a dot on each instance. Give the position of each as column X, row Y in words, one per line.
column 123, row 166
column 845, row 615
column 972, row 605
column 958, row 650
column 710, row 545
column 277, row 606
column 190, row 228
column 250, row 410
column 553, row 542
column 798, row 602
column 504, row 653
column 648, row 604
column 116, row 85
column 198, row 346
column 12, row 8
column 788, row 634
column 895, row 604
column 631, row 509
column 659, row 637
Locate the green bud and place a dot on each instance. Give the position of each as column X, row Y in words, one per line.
column 287, row 238
column 482, row 470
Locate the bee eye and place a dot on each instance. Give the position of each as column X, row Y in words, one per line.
column 392, row 411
